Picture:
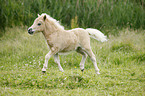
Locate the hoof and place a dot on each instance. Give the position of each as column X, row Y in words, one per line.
column 98, row 73
column 43, row 72
column 61, row 70
column 82, row 70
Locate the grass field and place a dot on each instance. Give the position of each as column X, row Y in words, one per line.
column 121, row 61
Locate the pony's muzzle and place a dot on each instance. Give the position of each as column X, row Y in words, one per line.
column 30, row 31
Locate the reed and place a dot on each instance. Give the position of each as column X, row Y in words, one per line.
column 90, row 13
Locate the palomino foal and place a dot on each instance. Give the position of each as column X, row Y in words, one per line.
column 60, row 40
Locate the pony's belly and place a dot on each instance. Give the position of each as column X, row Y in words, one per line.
column 65, row 53
column 68, row 50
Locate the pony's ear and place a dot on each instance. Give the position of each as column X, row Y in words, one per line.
column 44, row 18
column 38, row 15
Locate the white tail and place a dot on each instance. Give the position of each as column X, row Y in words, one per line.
column 96, row 34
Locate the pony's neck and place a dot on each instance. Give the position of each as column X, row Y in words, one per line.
column 50, row 28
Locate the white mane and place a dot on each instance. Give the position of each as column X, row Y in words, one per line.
column 53, row 20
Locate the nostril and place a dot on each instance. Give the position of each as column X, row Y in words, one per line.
column 30, row 29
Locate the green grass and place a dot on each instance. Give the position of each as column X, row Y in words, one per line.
column 121, row 61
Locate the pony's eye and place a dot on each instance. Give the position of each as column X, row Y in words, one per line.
column 39, row 24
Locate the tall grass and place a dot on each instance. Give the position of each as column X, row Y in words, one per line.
column 90, row 13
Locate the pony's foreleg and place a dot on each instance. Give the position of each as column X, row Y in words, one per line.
column 56, row 59
column 47, row 57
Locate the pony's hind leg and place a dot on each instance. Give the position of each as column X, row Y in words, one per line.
column 92, row 57
column 56, row 59
column 84, row 56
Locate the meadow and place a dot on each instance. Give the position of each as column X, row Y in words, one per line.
column 121, row 61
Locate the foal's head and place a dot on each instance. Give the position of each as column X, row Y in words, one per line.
column 38, row 25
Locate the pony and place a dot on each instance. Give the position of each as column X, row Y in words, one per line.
column 60, row 40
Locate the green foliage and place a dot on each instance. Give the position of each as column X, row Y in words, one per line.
column 90, row 13
column 121, row 63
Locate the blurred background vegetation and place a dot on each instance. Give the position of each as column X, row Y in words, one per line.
column 75, row 13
